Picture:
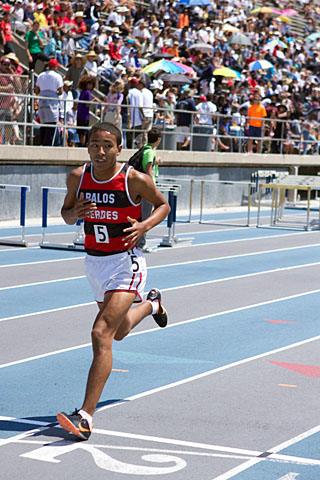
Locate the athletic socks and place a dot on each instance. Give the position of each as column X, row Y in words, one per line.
column 155, row 306
column 86, row 416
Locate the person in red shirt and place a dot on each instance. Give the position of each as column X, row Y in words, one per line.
column 114, row 48
column 6, row 34
column 79, row 25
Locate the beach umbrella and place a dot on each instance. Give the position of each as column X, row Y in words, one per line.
column 266, row 10
column 289, row 12
column 313, row 36
column 183, row 68
column 260, row 65
column 166, row 65
column 227, row 72
column 176, row 79
column 194, row 3
column 230, row 28
column 202, row 47
column 239, row 39
column 275, row 43
column 283, row 18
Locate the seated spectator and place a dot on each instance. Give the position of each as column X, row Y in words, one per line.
column 6, row 33
column 91, row 63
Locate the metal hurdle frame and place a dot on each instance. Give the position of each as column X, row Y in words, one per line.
column 279, row 199
column 78, row 242
column 171, row 240
column 23, row 190
column 250, row 186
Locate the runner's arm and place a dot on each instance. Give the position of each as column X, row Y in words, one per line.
column 74, row 209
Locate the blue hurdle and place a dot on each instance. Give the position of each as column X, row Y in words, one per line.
column 23, row 190
column 171, row 240
column 78, row 242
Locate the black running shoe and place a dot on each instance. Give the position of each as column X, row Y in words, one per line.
column 75, row 424
column 161, row 316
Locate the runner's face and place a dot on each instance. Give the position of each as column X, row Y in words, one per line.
column 103, row 150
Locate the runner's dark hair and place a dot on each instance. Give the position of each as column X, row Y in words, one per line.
column 106, row 127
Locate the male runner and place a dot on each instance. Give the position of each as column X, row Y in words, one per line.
column 107, row 195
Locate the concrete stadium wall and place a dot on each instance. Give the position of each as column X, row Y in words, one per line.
column 40, row 166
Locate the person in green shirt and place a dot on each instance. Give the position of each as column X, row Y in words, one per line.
column 149, row 167
column 34, row 44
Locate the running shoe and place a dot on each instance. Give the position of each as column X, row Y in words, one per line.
column 75, row 424
column 161, row 316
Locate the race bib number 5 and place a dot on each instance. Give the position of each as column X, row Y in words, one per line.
column 101, row 233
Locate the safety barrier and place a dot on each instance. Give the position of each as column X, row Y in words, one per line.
column 78, row 242
column 23, row 190
column 171, row 240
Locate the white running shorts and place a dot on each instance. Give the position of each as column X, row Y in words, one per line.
column 126, row 272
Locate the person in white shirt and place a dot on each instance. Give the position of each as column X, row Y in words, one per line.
column 206, row 110
column 49, row 84
column 141, row 32
column 147, row 112
column 136, row 115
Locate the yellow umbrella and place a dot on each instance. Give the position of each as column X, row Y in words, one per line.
column 283, row 18
column 230, row 28
column 227, row 72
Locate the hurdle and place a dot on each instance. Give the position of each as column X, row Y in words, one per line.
column 171, row 240
column 23, row 190
column 78, row 242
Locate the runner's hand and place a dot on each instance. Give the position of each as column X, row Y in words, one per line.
column 134, row 233
column 84, row 207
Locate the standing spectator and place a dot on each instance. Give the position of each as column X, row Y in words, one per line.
column 184, row 118
column 34, row 45
column 112, row 113
column 147, row 111
column 86, row 84
column 136, row 115
column 6, row 34
column 256, row 113
column 49, row 84
column 206, row 110
column 7, row 85
column 75, row 71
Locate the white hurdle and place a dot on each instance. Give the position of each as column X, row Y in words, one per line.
column 23, row 189
column 78, row 242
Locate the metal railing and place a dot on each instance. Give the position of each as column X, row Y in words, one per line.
column 226, row 130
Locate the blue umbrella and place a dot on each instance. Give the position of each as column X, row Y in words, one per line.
column 194, row 3
column 260, row 65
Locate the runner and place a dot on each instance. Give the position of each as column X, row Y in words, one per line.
column 107, row 195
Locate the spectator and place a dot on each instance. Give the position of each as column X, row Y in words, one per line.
column 86, row 84
column 112, row 112
column 75, row 71
column 6, row 34
column 184, row 118
column 206, row 110
column 147, row 111
column 136, row 115
column 49, row 84
column 34, row 44
column 91, row 63
column 7, row 85
column 256, row 113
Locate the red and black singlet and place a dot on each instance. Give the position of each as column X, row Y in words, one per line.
column 104, row 227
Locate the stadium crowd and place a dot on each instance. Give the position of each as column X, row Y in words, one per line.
column 241, row 70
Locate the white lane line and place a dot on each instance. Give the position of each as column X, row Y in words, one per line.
column 190, row 285
column 174, row 325
column 234, row 471
column 40, row 262
column 42, row 312
column 189, row 262
column 229, row 452
column 177, row 246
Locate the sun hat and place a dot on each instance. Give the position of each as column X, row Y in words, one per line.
column 76, row 57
